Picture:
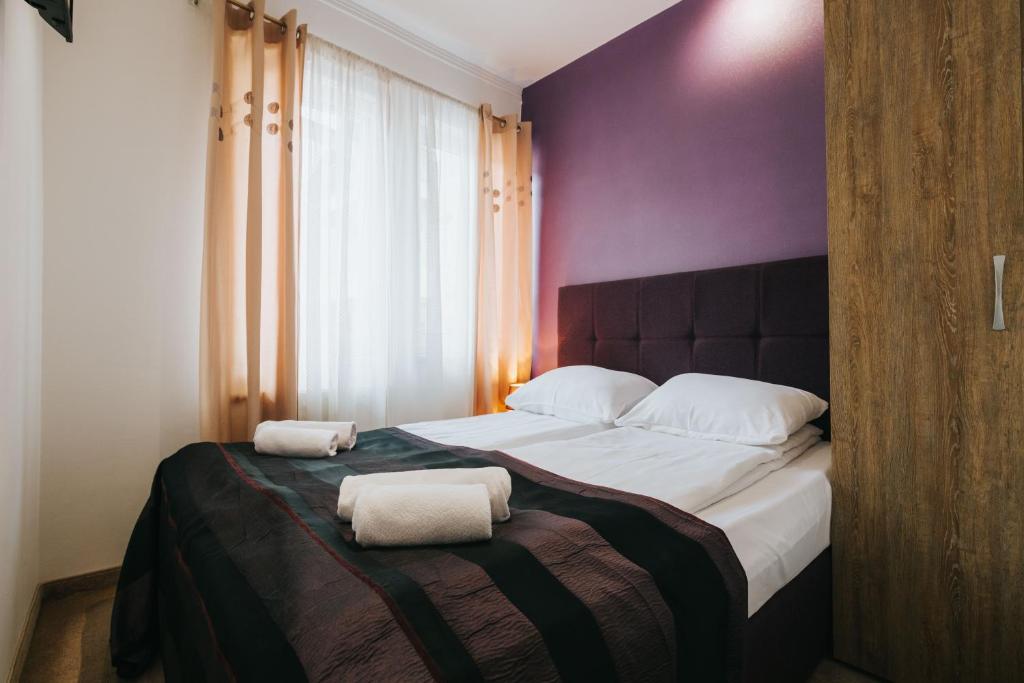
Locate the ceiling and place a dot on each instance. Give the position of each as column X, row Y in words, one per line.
column 522, row 41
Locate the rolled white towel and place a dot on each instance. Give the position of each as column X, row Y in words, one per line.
column 296, row 443
column 424, row 514
column 346, row 431
column 496, row 479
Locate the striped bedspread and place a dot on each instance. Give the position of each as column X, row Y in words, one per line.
column 238, row 569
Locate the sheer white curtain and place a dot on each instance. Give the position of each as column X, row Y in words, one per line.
column 388, row 245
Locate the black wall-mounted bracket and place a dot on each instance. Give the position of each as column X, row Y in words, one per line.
column 56, row 13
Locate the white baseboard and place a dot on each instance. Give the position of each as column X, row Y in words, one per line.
column 25, row 636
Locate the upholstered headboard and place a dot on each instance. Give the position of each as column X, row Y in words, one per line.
column 766, row 321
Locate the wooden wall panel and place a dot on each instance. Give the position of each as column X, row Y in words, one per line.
column 925, row 185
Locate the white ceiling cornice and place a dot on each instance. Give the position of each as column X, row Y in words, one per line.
column 361, row 13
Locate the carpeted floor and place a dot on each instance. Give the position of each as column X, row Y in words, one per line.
column 70, row 645
column 70, row 642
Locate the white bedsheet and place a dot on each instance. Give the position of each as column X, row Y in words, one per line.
column 687, row 473
column 501, row 431
column 780, row 524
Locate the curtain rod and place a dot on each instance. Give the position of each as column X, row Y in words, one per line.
column 278, row 22
column 252, row 14
column 504, row 122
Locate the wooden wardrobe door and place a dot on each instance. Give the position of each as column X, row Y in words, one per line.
column 925, row 186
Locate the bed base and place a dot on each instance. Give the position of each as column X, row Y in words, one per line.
column 792, row 632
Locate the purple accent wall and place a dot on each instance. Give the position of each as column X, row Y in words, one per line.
column 693, row 141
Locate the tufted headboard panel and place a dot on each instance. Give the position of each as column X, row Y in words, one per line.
column 766, row 321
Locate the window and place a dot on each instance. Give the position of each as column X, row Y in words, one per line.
column 387, row 245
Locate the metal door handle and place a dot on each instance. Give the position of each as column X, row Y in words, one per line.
column 997, row 317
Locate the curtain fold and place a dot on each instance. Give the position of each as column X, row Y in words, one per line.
column 387, row 282
column 248, row 327
column 505, row 282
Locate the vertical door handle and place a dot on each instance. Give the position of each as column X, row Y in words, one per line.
column 997, row 317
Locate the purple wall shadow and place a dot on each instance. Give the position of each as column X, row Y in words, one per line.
column 693, row 141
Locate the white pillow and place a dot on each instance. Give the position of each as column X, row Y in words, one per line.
column 581, row 393
column 725, row 409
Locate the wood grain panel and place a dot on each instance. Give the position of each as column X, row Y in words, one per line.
column 925, row 185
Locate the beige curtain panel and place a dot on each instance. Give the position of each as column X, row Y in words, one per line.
column 247, row 335
column 505, row 296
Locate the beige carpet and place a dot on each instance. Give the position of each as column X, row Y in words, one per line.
column 70, row 645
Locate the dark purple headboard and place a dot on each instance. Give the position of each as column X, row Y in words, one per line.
column 766, row 321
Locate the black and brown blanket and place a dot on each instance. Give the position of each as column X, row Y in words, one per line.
column 239, row 569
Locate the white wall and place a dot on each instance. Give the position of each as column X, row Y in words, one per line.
column 125, row 138
column 125, row 133
column 21, row 225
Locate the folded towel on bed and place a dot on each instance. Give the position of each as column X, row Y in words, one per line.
column 294, row 442
column 496, row 479
column 412, row 514
column 346, row 431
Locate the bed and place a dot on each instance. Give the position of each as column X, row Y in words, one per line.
column 766, row 321
column 238, row 569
